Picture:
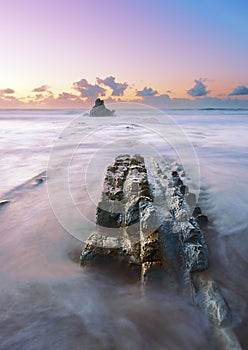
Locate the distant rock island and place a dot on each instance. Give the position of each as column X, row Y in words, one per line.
column 99, row 109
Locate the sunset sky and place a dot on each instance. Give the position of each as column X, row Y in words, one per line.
column 167, row 53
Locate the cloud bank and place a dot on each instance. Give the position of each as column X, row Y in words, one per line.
column 112, row 91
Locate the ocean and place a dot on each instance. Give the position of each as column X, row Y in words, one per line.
column 47, row 300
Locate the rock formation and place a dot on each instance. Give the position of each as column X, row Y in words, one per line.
column 156, row 229
column 4, row 202
column 99, row 109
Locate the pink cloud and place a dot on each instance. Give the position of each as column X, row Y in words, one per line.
column 39, row 96
column 11, row 102
column 42, row 88
column 7, row 91
column 65, row 96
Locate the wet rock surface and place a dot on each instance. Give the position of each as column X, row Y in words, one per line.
column 157, row 228
column 99, row 109
column 4, row 202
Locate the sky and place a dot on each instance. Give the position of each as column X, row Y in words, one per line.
column 166, row 53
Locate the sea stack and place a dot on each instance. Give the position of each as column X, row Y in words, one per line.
column 99, row 109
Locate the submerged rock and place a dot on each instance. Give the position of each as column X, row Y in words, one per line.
column 99, row 109
column 202, row 220
column 210, row 297
column 4, row 202
column 39, row 179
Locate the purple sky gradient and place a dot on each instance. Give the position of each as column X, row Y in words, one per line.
column 163, row 45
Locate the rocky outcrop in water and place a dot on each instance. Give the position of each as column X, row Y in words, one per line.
column 157, row 228
column 99, row 109
column 3, row 202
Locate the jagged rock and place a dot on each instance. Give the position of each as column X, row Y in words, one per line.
column 123, row 205
column 132, row 215
column 99, row 109
column 191, row 199
column 194, row 247
column 108, row 219
column 119, row 248
column 202, row 219
column 157, row 232
column 211, row 299
column 184, row 189
column 150, row 242
column 149, row 221
column 197, row 211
